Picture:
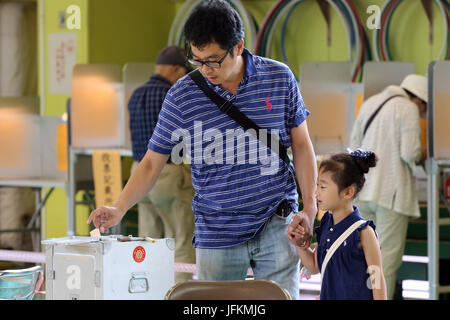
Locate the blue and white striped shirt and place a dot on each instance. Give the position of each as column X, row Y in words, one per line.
column 233, row 197
column 143, row 108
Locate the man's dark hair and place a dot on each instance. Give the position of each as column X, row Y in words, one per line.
column 214, row 21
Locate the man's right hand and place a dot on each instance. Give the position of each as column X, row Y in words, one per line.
column 105, row 217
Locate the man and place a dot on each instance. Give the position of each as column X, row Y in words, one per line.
column 389, row 197
column 237, row 201
column 166, row 211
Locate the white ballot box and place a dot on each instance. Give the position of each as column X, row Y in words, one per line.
column 108, row 268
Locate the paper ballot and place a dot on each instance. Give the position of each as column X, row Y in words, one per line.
column 95, row 233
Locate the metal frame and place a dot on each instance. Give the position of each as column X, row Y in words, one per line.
column 434, row 168
column 71, row 189
column 37, row 185
column 74, row 153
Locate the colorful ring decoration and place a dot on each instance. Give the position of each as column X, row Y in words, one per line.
column 176, row 34
column 380, row 39
column 358, row 43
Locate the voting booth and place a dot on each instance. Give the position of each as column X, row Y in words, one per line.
column 377, row 76
column 439, row 112
column 31, row 141
column 97, row 106
column 330, row 96
column 99, row 120
column 438, row 166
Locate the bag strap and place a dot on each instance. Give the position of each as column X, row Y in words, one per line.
column 338, row 242
column 369, row 122
column 230, row 109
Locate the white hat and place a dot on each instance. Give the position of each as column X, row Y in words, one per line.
column 417, row 85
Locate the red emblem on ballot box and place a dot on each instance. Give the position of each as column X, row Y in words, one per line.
column 139, row 254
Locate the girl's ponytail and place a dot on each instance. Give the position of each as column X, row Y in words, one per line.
column 364, row 160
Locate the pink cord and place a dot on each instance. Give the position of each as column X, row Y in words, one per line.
column 39, row 283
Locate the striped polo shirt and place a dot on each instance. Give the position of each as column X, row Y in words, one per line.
column 238, row 181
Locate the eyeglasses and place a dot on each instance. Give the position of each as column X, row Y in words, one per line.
column 211, row 64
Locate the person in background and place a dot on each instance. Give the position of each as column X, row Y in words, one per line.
column 166, row 211
column 242, row 209
column 393, row 133
column 354, row 271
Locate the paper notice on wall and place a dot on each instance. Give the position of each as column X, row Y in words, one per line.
column 62, row 49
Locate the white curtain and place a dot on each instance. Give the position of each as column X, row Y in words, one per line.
column 18, row 49
column 18, row 77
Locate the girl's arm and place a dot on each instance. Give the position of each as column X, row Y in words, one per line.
column 308, row 258
column 306, row 254
column 371, row 248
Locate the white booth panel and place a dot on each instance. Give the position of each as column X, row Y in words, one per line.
column 441, row 110
column 327, row 124
column 97, row 109
column 329, row 95
column 377, row 75
column 325, row 76
column 19, row 146
column 28, row 147
column 49, row 151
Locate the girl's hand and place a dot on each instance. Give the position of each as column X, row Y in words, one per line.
column 296, row 236
column 298, row 233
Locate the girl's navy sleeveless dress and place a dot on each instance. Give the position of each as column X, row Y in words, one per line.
column 346, row 275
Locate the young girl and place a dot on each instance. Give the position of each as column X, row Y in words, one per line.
column 354, row 270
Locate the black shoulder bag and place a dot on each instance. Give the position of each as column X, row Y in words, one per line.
column 376, row 112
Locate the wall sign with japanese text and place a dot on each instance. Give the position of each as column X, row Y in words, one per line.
column 107, row 169
column 62, row 57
